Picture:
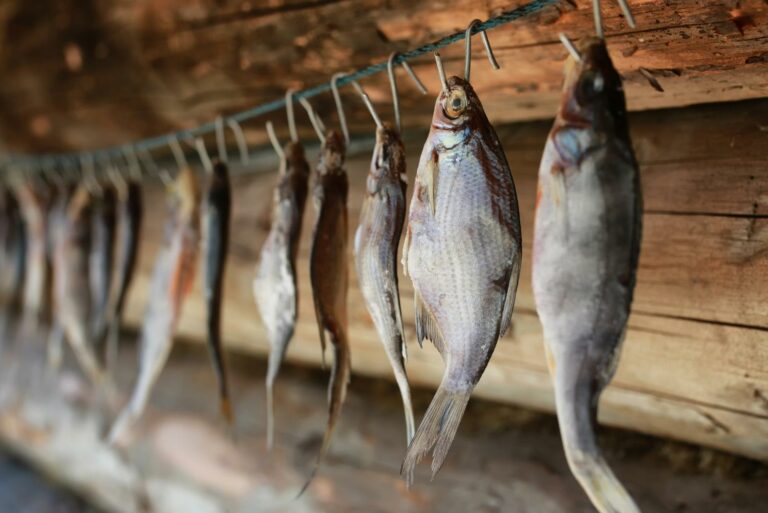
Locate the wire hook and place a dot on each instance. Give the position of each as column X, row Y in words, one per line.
column 134, row 168
column 468, row 49
column 317, row 123
column 368, row 103
column 149, row 163
column 203, row 154
column 570, row 47
column 221, row 142
column 242, row 145
column 441, row 72
column 393, row 84
column 178, row 153
column 88, row 166
column 275, row 142
column 289, row 95
column 339, row 107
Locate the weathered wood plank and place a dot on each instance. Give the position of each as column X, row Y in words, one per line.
column 694, row 364
column 122, row 70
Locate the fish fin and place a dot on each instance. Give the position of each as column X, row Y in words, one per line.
column 406, row 247
column 426, row 327
column 337, row 389
column 509, row 300
column 436, row 431
column 405, row 393
column 577, row 394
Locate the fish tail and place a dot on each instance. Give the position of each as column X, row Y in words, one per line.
column 337, row 391
column 401, row 378
column 576, row 396
column 276, row 356
column 436, row 431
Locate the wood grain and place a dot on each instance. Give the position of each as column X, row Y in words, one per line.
column 695, row 365
column 94, row 73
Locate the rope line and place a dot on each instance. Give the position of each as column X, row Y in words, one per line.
column 67, row 160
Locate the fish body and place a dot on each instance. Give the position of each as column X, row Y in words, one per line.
column 129, row 217
column 104, row 226
column 462, row 253
column 328, row 270
column 586, row 250
column 71, row 250
column 275, row 286
column 217, row 216
column 376, row 242
column 11, row 253
column 172, row 281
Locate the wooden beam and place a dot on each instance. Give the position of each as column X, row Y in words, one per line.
column 122, row 70
column 694, row 361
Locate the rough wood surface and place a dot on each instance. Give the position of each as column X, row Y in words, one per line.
column 82, row 74
column 695, row 364
column 182, row 459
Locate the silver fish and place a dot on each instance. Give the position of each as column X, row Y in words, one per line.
column 462, row 252
column 585, row 255
column 376, row 241
column 104, row 221
column 171, row 283
column 275, row 288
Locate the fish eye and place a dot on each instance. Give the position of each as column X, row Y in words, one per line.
column 590, row 85
column 456, row 103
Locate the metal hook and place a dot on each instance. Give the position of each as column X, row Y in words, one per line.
column 598, row 19
column 317, row 123
column 134, row 168
column 89, row 174
column 393, row 84
column 242, row 145
column 150, row 164
column 291, row 118
column 275, row 142
column 468, row 49
column 627, row 13
column 441, row 72
column 369, row 104
column 221, row 143
column 570, row 47
column 203, row 153
column 339, row 107
column 178, row 153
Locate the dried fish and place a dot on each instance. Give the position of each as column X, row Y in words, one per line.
column 11, row 253
column 104, row 225
column 586, row 249
column 217, row 215
column 462, row 252
column 329, row 273
column 171, row 283
column 376, row 241
column 129, row 213
column 275, row 287
column 72, row 301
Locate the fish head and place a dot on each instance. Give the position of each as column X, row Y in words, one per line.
column 457, row 110
column 592, row 88
column 388, row 154
column 295, row 159
column 332, row 153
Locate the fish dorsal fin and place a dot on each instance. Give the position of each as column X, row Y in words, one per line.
column 426, row 327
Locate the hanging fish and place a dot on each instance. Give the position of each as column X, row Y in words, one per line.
column 129, row 214
column 585, row 255
column 462, row 252
column 11, row 253
column 56, row 222
column 104, row 221
column 217, row 215
column 171, row 283
column 33, row 201
column 329, row 275
column 71, row 249
column 376, row 241
column 275, row 287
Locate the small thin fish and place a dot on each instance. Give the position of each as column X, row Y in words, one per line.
column 462, row 252
column 11, row 253
column 376, row 241
column 56, row 221
column 328, row 270
column 72, row 301
column 104, row 221
column 275, row 287
column 585, row 256
column 217, row 216
column 172, row 281
column 130, row 211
